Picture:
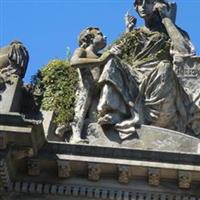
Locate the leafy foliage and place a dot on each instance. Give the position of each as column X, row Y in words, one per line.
column 132, row 44
column 55, row 87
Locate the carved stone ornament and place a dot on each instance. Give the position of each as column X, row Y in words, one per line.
column 4, row 173
column 64, row 169
column 33, row 167
column 184, row 179
column 154, row 177
column 123, row 174
column 94, row 171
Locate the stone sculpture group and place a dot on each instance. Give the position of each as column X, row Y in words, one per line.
column 149, row 89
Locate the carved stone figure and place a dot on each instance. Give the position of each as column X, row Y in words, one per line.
column 13, row 63
column 87, row 60
column 158, row 98
column 13, row 59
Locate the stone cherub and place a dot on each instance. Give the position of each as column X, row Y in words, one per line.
column 89, row 62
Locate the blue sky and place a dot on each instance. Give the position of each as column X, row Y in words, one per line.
column 48, row 27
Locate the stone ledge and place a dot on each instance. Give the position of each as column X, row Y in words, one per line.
column 128, row 162
column 53, row 148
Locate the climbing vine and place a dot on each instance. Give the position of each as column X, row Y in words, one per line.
column 56, row 85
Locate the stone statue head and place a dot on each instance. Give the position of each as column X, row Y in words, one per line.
column 14, row 59
column 92, row 36
column 145, row 8
column 16, row 42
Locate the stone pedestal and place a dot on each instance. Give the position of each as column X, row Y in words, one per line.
column 11, row 97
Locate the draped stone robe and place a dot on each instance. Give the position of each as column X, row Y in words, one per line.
column 146, row 81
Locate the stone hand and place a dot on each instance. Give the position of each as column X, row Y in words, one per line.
column 106, row 56
column 116, row 50
column 130, row 22
column 163, row 9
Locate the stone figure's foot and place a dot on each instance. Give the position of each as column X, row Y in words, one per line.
column 106, row 119
column 61, row 130
column 124, row 136
column 126, row 124
column 79, row 141
column 125, row 133
column 126, row 130
column 110, row 119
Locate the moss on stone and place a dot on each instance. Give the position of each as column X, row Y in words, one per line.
column 132, row 44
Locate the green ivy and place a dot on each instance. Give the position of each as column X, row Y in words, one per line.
column 58, row 82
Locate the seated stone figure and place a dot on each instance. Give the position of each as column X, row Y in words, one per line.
column 13, row 62
column 157, row 97
column 14, row 59
column 89, row 63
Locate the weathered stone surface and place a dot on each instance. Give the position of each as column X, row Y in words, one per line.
column 123, row 174
column 94, row 172
column 13, row 63
column 10, row 99
column 146, row 137
column 184, row 179
column 33, row 166
column 64, row 169
column 154, row 176
column 27, row 135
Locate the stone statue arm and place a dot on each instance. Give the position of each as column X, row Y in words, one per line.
column 181, row 44
column 130, row 22
column 80, row 59
column 3, row 60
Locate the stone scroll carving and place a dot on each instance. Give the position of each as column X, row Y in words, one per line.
column 149, row 76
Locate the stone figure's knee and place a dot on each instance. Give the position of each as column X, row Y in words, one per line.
column 165, row 67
